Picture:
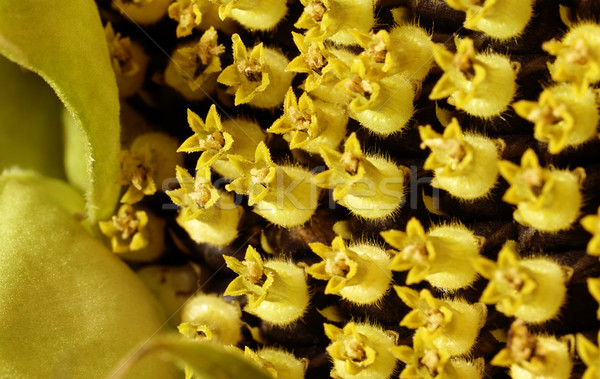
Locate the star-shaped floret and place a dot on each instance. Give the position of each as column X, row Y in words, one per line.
column 254, row 279
column 377, row 48
column 248, row 74
column 127, row 230
column 405, row 49
column 120, row 52
column 423, row 360
column 359, row 273
column 553, row 120
column 463, row 73
column 195, row 331
column 521, row 346
column 361, row 82
column 449, row 151
column 196, row 195
column 188, row 15
column 590, row 355
column 523, row 349
column 577, row 57
column 351, row 347
column 510, row 283
column 339, row 264
column 209, row 137
column 195, row 61
column 528, row 182
column 300, row 120
column 258, row 177
column 318, row 19
column 137, row 171
column 428, row 312
column 313, row 60
column 345, row 169
column 591, row 223
column 415, row 251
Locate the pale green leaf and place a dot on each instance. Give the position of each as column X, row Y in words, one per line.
column 69, row 308
column 206, row 359
column 74, row 153
column 63, row 41
column 30, row 131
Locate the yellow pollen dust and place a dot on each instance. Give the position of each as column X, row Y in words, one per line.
column 534, row 179
column 316, row 10
column 511, row 277
column 127, row 224
column 579, row 54
column 139, row 176
column 215, row 141
column 253, row 272
column 314, row 59
column 359, row 86
column 300, row 119
column 452, row 147
column 378, row 51
column 259, row 175
column 208, row 47
column 251, row 69
column 431, row 361
column 547, row 115
column 355, row 350
column 338, row 266
column 416, row 253
column 435, row 319
column 350, row 162
column 463, row 61
column 201, row 194
column 521, row 343
column 187, row 17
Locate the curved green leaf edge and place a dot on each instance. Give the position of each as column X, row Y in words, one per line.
column 206, row 359
column 63, row 41
column 30, row 139
column 69, row 308
column 75, row 152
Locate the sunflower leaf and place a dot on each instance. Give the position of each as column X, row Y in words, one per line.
column 63, row 41
column 205, row 359
column 30, row 135
column 69, row 307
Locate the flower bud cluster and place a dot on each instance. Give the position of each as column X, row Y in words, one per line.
column 339, row 108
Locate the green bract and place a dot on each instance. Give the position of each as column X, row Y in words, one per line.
column 206, row 360
column 38, row 145
column 68, row 306
column 63, row 41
